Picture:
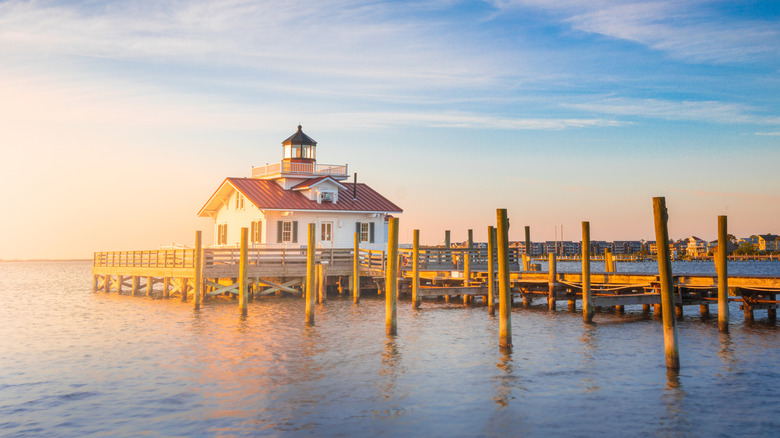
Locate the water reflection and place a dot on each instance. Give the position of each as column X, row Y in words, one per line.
column 391, row 360
column 502, row 382
column 389, row 373
column 590, row 346
column 726, row 353
column 676, row 421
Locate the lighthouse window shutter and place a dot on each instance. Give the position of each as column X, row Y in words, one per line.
column 371, row 233
column 357, row 229
column 295, row 231
column 280, row 224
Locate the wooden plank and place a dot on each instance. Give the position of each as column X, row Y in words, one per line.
column 454, row 290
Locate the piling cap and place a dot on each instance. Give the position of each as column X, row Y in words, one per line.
column 299, row 138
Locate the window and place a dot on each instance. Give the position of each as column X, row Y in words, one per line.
column 365, row 231
column 287, row 231
column 256, row 234
column 239, row 201
column 222, row 234
column 326, row 231
column 326, row 197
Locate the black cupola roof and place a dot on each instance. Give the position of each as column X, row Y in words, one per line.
column 299, row 138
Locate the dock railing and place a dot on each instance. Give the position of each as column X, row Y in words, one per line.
column 163, row 258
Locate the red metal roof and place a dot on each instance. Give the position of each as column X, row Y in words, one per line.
column 314, row 181
column 268, row 195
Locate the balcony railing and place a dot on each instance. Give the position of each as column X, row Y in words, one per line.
column 282, row 168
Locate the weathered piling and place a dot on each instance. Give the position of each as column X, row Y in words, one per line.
column 527, row 255
column 504, row 293
column 416, row 298
column 553, row 278
column 723, row 279
column 198, row 270
column 661, row 218
column 310, row 272
column 356, row 271
column 322, row 283
column 491, row 270
column 587, row 303
column 391, row 279
column 467, row 265
column 242, row 265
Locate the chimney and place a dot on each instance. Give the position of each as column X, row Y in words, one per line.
column 354, row 189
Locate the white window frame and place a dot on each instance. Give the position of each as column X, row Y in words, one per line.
column 365, row 231
column 329, row 227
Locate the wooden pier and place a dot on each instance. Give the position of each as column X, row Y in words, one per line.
column 442, row 273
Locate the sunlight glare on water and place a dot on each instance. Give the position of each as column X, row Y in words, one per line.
column 78, row 363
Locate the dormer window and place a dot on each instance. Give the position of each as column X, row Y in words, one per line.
column 326, row 197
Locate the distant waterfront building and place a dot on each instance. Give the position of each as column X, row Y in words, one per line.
column 768, row 242
column 280, row 199
column 696, row 247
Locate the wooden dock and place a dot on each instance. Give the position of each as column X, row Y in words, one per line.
column 443, row 273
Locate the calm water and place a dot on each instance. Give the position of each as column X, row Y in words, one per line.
column 77, row 363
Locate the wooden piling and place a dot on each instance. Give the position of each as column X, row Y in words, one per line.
column 198, row 270
column 416, row 298
column 491, row 270
column 119, row 280
column 467, row 265
column 587, row 302
column 149, row 286
column 310, row 268
column 527, row 258
column 504, row 293
column 356, row 271
column 704, row 310
column 661, row 217
column 391, row 280
column 322, row 283
column 607, row 260
column 133, row 284
column 723, row 277
column 553, row 278
column 242, row 266
column 166, row 288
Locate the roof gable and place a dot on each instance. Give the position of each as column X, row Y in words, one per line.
column 268, row 195
column 321, row 181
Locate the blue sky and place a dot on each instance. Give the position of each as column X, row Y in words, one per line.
column 559, row 111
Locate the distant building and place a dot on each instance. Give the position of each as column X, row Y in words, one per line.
column 768, row 242
column 696, row 247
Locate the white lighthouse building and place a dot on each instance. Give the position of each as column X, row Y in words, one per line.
column 280, row 199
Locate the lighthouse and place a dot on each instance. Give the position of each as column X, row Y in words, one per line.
column 280, row 198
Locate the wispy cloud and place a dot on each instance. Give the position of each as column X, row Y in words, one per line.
column 706, row 111
column 771, row 134
column 691, row 30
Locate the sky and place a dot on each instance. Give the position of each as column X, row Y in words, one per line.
column 118, row 119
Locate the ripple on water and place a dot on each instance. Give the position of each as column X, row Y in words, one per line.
column 95, row 364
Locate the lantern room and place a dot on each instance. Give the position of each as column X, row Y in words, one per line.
column 299, row 148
